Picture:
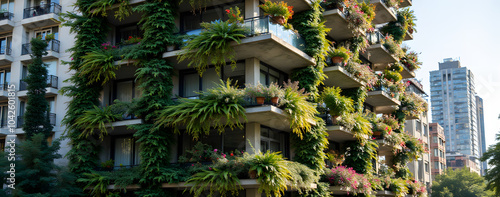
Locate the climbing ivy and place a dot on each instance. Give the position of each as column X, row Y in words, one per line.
column 309, row 149
column 91, row 32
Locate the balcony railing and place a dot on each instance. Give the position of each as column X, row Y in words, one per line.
column 52, row 120
column 53, row 46
column 264, row 25
column 41, row 10
column 51, row 83
column 375, row 37
column 6, row 15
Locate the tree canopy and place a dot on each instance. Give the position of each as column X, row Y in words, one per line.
column 460, row 183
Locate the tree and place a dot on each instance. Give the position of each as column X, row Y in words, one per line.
column 493, row 173
column 460, row 183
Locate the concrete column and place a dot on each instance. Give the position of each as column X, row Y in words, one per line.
column 252, row 137
column 251, row 8
column 252, row 193
column 252, row 71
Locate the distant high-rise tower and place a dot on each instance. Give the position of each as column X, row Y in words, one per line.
column 481, row 131
column 453, row 103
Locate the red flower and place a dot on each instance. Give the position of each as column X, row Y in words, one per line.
column 231, row 154
column 130, row 37
column 227, row 11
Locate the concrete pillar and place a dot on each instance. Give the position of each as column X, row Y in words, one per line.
column 252, row 193
column 251, row 8
column 252, row 71
column 252, row 137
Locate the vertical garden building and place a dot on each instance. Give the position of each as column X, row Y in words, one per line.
column 174, row 93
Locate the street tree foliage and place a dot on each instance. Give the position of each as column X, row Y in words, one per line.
column 492, row 156
column 460, row 183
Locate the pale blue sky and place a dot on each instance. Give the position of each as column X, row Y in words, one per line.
column 468, row 30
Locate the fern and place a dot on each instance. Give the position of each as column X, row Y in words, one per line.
column 219, row 108
column 300, row 111
column 215, row 180
column 95, row 119
column 101, row 6
column 272, row 172
column 99, row 66
column 213, row 46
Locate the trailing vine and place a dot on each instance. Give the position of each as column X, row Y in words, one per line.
column 91, row 33
column 310, row 25
column 309, row 149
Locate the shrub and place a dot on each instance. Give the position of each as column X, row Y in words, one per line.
column 337, row 103
column 300, row 111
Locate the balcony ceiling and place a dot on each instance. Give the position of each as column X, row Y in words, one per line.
column 45, row 20
column 339, row 134
column 382, row 13
column 339, row 77
column 377, row 54
column 338, row 24
column 380, row 98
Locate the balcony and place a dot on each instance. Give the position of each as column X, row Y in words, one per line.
column 405, row 3
column 383, row 14
column 5, row 56
column 337, row 20
column 339, row 77
column 381, row 97
column 6, row 23
column 52, row 51
column 377, row 53
column 41, row 16
column 52, row 120
column 385, row 193
column 270, row 43
column 342, row 191
column 406, row 73
column 408, row 36
column 298, row 5
column 51, row 90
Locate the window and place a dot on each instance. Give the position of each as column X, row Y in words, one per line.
column 5, row 44
column 270, row 75
column 436, row 165
column 126, row 90
column 124, row 32
column 191, row 21
column 125, row 151
column 273, row 140
column 434, row 139
column 4, row 79
column 426, row 167
column 436, row 152
column 191, row 82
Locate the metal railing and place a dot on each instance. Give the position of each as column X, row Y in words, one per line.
column 52, row 120
column 53, row 45
column 52, row 82
column 41, row 10
column 264, row 25
column 6, row 15
column 375, row 37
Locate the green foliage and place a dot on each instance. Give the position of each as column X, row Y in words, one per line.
column 393, row 47
column 337, row 103
column 197, row 5
column 300, row 111
column 36, row 117
column 311, row 26
column 302, row 176
column 98, row 181
column 36, row 171
column 272, row 172
column 359, row 156
column 218, row 108
column 397, row 29
column 358, row 124
column 222, row 181
column 213, row 46
column 309, row 149
column 95, row 119
column 459, row 183
column 310, row 78
column 492, row 156
column 100, row 7
column 358, row 95
column 322, row 190
column 90, row 32
column 99, row 65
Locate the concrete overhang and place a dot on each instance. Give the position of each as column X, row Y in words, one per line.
column 5, row 59
column 339, row 77
column 6, row 25
column 267, row 48
column 45, row 20
column 377, row 54
column 338, row 23
column 405, row 3
column 50, row 55
column 380, row 98
column 383, row 14
column 339, row 134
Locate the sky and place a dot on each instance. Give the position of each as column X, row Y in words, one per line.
column 465, row 30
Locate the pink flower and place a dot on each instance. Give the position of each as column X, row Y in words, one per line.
column 215, row 150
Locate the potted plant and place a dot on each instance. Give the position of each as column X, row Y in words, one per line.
column 279, row 12
column 108, row 165
column 274, row 92
column 257, row 92
column 340, row 55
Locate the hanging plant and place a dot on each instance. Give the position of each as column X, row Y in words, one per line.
column 99, row 65
column 279, row 12
column 213, row 46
